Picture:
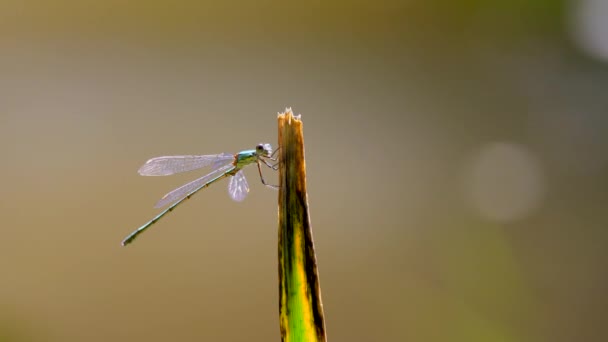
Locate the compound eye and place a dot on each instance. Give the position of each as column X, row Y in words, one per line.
column 259, row 147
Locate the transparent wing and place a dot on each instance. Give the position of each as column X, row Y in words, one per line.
column 238, row 187
column 168, row 165
column 185, row 189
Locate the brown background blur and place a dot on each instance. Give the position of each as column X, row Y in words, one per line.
column 456, row 155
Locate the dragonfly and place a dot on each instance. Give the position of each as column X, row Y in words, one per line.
column 223, row 165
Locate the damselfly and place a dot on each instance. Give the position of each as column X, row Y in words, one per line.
column 224, row 165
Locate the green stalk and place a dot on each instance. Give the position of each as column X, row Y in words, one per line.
column 300, row 306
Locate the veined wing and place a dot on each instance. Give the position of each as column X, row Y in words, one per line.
column 168, row 165
column 238, row 187
column 185, row 189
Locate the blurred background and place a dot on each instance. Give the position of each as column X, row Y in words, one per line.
column 456, row 155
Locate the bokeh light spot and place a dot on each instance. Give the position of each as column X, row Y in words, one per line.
column 590, row 27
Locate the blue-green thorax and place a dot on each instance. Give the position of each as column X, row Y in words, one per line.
column 245, row 158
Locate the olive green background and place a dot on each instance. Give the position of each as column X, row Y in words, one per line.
column 396, row 98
